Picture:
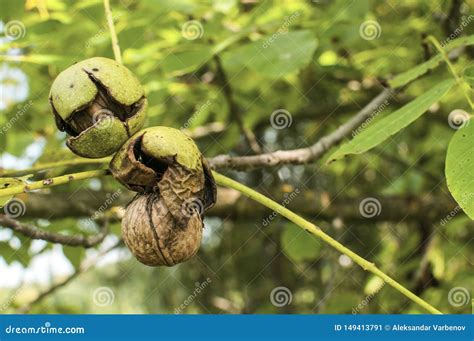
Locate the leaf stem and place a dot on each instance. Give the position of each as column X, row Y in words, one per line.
column 315, row 230
column 113, row 34
column 445, row 57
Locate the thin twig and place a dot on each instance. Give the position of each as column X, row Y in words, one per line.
column 315, row 230
column 113, row 34
column 33, row 232
column 302, row 155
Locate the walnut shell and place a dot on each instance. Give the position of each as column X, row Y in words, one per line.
column 100, row 104
column 163, row 159
column 155, row 237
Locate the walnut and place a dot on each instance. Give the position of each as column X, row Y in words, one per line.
column 163, row 224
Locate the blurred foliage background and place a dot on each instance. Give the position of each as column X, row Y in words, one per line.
column 317, row 66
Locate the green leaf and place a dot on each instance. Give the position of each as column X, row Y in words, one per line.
column 419, row 70
column 460, row 168
column 299, row 245
column 277, row 55
column 7, row 252
column 382, row 129
column 468, row 75
column 5, row 183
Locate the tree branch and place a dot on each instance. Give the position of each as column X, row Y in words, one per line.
column 302, row 155
column 33, row 232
